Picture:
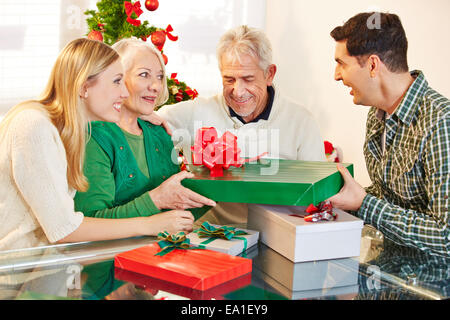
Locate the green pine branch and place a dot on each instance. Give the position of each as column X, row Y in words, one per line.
column 111, row 19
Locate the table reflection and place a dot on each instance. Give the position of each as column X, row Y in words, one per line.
column 86, row 271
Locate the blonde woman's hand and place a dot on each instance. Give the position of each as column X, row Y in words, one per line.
column 171, row 221
column 172, row 195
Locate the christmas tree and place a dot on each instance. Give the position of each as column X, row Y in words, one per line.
column 118, row 19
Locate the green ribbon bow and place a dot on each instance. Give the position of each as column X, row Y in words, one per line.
column 206, row 230
column 170, row 242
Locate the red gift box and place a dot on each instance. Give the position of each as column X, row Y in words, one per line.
column 151, row 284
column 198, row 269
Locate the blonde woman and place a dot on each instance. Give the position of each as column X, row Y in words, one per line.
column 128, row 163
column 42, row 145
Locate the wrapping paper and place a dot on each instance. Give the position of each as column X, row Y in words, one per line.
column 152, row 283
column 290, row 182
column 198, row 269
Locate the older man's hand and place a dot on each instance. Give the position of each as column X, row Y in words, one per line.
column 172, row 195
column 153, row 118
column 351, row 196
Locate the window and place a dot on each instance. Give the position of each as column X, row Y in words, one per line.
column 33, row 32
column 29, row 33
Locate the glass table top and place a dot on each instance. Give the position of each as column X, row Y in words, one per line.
column 85, row 270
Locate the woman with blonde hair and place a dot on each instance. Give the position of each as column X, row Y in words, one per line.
column 129, row 163
column 42, row 145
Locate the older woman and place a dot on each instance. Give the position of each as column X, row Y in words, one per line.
column 128, row 164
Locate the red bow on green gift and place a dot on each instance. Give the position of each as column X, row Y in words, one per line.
column 217, row 153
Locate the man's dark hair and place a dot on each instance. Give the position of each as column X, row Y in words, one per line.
column 375, row 33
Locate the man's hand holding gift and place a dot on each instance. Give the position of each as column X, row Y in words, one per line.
column 352, row 194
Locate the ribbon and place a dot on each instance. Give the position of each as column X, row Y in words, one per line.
column 179, row 94
column 173, row 76
column 170, row 242
column 133, row 22
column 170, row 36
column 191, row 93
column 207, row 230
column 323, row 212
column 130, row 8
column 217, row 153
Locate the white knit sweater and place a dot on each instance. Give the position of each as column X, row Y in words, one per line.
column 289, row 133
column 36, row 204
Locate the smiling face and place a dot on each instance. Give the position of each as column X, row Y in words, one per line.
column 353, row 75
column 245, row 85
column 105, row 94
column 144, row 81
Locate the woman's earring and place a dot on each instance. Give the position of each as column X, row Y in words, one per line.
column 85, row 95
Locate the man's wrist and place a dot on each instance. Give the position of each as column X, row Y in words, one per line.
column 370, row 210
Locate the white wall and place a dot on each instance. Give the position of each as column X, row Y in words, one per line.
column 199, row 24
column 304, row 53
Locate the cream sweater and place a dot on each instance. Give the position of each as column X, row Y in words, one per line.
column 36, row 204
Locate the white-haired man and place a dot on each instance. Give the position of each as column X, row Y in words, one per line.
column 252, row 108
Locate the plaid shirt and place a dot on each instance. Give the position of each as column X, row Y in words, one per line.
column 408, row 199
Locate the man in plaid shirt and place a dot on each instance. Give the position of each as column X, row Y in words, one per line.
column 407, row 145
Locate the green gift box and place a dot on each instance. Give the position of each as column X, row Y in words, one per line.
column 270, row 181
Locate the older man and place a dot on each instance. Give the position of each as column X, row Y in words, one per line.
column 252, row 108
column 407, row 147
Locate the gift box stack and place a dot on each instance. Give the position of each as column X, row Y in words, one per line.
column 306, row 280
column 201, row 265
column 278, row 206
column 280, row 194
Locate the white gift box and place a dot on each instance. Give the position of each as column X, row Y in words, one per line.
column 301, row 241
column 232, row 247
column 311, row 294
column 315, row 277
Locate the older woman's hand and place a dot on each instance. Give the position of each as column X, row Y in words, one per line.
column 172, row 195
column 153, row 118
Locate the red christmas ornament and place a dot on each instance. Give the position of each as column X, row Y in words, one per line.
column 179, row 97
column 165, row 58
column 95, row 35
column 151, row 5
column 158, row 39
